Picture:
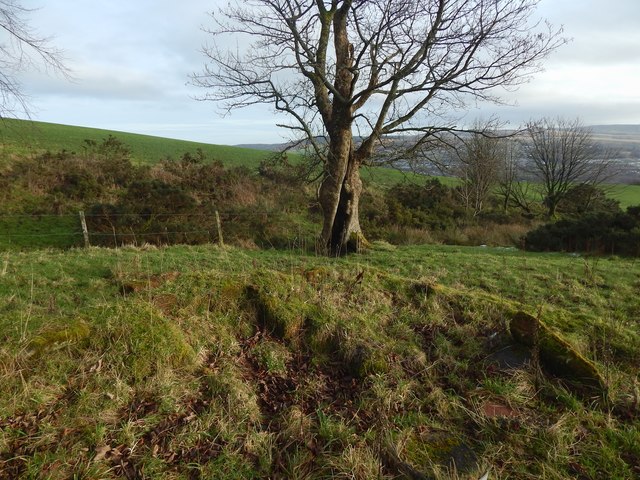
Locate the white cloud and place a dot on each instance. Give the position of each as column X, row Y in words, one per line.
column 131, row 61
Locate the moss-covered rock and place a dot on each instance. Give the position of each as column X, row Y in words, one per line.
column 556, row 354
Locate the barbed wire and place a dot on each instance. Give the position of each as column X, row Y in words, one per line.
column 117, row 228
column 144, row 214
column 99, row 234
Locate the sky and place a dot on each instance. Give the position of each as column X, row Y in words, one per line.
column 130, row 62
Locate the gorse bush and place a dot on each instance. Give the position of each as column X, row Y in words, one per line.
column 583, row 199
column 431, row 206
column 176, row 200
column 600, row 232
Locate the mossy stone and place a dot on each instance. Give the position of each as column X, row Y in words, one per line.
column 556, row 354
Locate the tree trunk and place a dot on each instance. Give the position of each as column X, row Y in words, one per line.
column 341, row 187
column 346, row 235
column 551, row 202
column 339, row 198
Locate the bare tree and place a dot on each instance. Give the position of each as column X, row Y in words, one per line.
column 562, row 154
column 478, row 161
column 20, row 48
column 512, row 188
column 355, row 75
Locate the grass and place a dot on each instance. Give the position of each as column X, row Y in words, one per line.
column 627, row 195
column 44, row 231
column 207, row 362
column 20, row 137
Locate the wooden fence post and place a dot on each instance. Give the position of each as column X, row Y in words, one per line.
column 85, row 230
column 219, row 227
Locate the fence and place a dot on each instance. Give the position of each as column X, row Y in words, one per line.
column 117, row 229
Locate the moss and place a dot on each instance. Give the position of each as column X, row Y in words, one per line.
column 556, row 354
column 363, row 360
column 74, row 332
column 230, row 293
column 423, row 450
column 282, row 316
column 142, row 341
column 357, row 242
column 272, row 357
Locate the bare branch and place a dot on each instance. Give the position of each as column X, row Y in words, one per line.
column 24, row 49
column 382, row 68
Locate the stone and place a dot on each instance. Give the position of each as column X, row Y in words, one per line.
column 556, row 354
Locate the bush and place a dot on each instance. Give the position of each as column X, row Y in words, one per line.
column 150, row 211
column 604, row 233
column 430, row 206
column 78, row 185
column 584, row 198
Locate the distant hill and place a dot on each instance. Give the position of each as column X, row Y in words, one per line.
column 624, row 130
column 270, row 147
column 23, row 137
column 612, row 133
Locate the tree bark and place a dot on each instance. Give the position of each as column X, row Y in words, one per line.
column 339, row 197
column 341, row 187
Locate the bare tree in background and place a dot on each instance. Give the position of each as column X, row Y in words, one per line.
column 358, row 76
column 514, row 190
column 479, row 162
column 562, row 154
column 20, row 49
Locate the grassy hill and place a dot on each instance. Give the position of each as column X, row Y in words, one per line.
column 52, row 229
column 201, row 362
column 19, row 137
column 23, row 137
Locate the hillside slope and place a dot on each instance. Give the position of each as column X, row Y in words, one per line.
column 21, row 136
column 201, row 362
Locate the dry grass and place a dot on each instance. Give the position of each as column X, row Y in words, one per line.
column 264, row 365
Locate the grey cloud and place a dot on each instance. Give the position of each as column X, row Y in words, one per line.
column 589, row 112
column 132, row 61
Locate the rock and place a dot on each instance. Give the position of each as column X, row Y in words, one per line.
column 424, row 449
column 556, row 354
column 511, row 357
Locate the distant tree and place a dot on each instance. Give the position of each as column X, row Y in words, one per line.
column 478, row 161
column 20, row 49
column 562, row 154
column 513, row 190
column 352, row 74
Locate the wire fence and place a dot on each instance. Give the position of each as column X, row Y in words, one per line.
column 122, row 228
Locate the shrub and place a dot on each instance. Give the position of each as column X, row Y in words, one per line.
column 606, row 233
column 150, row 211
column 432, row 206
column 78, row 185
column 585, row 198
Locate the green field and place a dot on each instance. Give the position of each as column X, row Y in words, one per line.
column 627, row 195
column 20, row 137
column 202, row 362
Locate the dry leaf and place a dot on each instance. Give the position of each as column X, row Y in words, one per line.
column 101, row 452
